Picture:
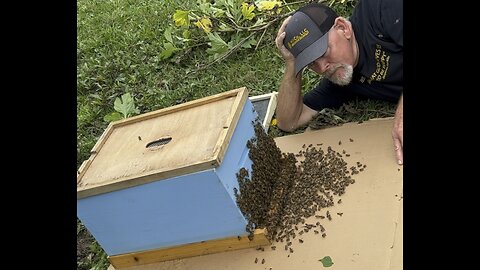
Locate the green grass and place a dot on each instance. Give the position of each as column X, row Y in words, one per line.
column 118, row 48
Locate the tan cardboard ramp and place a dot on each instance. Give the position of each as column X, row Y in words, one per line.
column 369, row 233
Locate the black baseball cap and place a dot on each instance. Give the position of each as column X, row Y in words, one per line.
column 306, row 33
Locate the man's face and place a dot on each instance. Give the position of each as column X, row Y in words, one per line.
column 337, row 62
column 340, row 74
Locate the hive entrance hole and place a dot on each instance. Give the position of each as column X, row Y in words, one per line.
column 159, row 142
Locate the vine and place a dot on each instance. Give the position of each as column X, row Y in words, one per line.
column 225, row 26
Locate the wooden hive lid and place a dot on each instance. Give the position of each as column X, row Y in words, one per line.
column 170, row 142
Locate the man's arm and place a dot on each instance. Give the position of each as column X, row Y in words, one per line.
column 291, row 112
column 397, row 132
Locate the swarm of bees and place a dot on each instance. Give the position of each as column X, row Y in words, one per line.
column 283, row 192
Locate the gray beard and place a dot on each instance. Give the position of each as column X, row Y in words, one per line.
column 343, row 79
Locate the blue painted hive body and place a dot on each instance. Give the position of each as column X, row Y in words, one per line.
column 166, row 178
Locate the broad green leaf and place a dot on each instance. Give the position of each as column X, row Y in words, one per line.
column 229, row 3
column 169, row 49
column 237, row 38
column 205, row 7
column 222, row 4
column 181, row 18
column 125, row 105
column 209, row 9
column 231, row 9
column 258, row 22
column 217, row 45
column 326, row 261
column 234, row 40
column 216, row 40
column 247, row 11
column 217, row 12
column 114, row 116
column 249, row 43
column 186, row 34
column 168, row 34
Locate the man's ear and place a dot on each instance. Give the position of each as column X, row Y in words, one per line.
column 345, row 26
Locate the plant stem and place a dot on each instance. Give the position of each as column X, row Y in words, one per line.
column 286, row 5
column 233, row 49
column 294, row 3
column 258, row 43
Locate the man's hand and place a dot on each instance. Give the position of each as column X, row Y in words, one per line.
column 286, row 54
column 397, row 132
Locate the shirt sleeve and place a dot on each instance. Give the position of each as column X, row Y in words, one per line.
column 327, row 95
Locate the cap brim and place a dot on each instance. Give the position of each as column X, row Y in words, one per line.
column 311, row 53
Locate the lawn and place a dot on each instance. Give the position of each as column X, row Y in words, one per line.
column 139, row 48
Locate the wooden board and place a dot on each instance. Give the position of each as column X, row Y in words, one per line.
column 369, row 234
column 197, row 135
column 189, row 250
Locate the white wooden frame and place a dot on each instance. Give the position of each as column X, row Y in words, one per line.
column 272, row 105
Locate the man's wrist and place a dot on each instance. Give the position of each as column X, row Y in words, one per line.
column 290, row 67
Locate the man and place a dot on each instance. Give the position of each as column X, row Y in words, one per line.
column 360, row 58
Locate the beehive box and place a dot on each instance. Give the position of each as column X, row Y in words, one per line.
column 166, row 179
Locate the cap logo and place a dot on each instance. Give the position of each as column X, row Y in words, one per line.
column 297, row 38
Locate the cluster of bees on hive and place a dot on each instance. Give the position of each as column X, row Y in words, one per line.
column 285, row 189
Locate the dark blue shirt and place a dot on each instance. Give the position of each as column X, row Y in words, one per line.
column 378, row 28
